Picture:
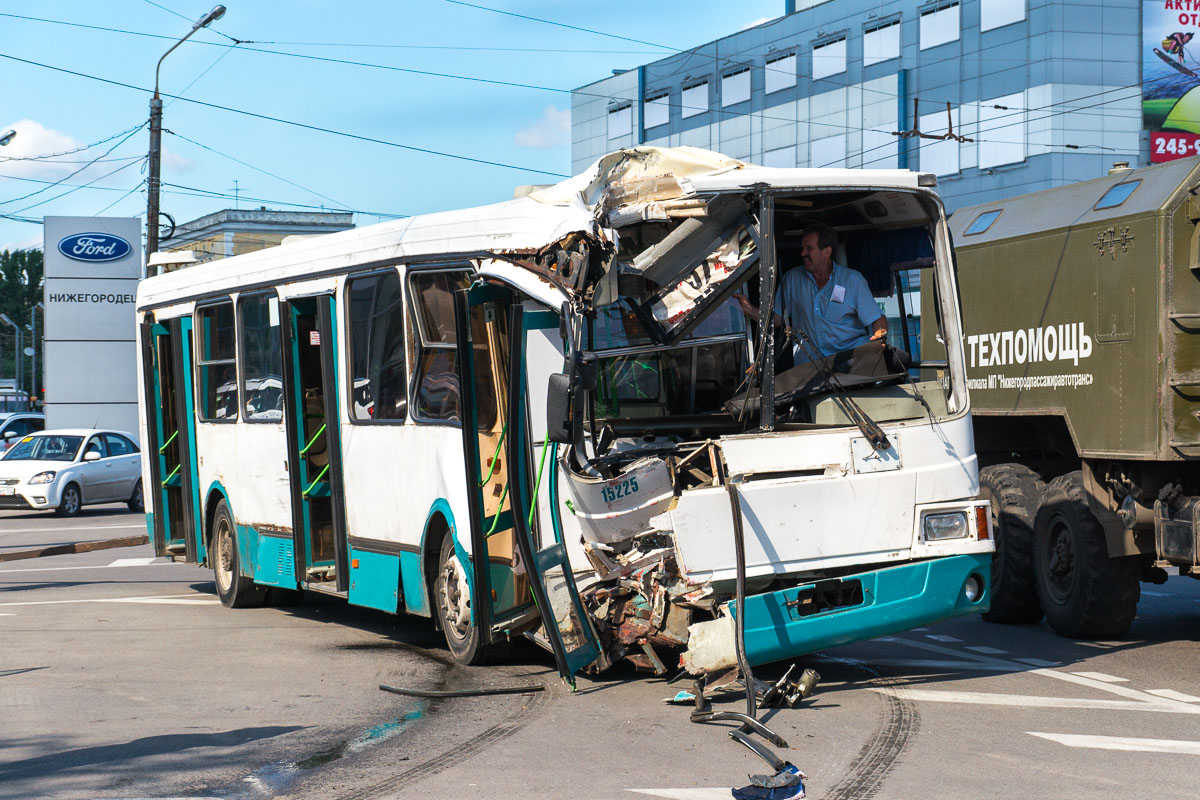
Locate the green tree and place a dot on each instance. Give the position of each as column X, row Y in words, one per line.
column 20, row 290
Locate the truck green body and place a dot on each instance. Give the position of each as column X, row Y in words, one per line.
column 1083, row 343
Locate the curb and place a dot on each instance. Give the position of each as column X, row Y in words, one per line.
column 74, row 547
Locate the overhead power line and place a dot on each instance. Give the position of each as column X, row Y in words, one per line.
column 294, row 123
column 122, row 141
column 76, row 150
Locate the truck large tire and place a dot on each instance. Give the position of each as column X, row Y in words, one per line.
column 1014, row 492
column 1085, row 594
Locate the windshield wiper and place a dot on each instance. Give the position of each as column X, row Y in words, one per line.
column 853, row 411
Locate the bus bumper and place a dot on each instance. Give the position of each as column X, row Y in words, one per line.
column 893, row 599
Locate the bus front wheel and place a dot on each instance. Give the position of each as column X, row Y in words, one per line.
column 235, row 589
column 452, row 596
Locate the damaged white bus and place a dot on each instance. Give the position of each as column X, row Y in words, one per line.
column 545, row 417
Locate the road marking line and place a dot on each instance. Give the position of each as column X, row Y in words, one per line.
column 920, row 629
column 935, row 663
column 1122, row 743
column 941, row 637
column 195, row 598
column 1101, row 676
column 1034, row 701
column 96, row 528
column 1155, row 594
column 92, row 566
column 133, row 562
column 987, row 651
column 1038, row 662
column 694, row 793
column 1171, row 694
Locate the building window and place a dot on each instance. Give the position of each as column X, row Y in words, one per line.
column 938, row 157
column 1117, row 195
column 780, row 73
column 217, row 364
column 656, row 110
column 694, row 100
column 880, row 149
column 262, row 359
column 881, row 43
column 998, row 13
column 982, row 223
column 735, row 87
column 939, row 25
column 828, row 152
column 436, row 389
column 1001, row 131
column 378, row 380
column 620, row 121
column 782, row 157
column 828, row 59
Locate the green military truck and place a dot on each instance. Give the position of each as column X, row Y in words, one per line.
column 1081, row 307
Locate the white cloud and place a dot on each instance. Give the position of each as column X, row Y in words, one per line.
column 31, row 243
column 552, row 130
column 174, row 162
column 757, row 22
column 35, row 139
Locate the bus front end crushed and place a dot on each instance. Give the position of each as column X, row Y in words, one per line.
column 706, row 456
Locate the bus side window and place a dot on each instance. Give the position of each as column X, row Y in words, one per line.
column 262, row 364
column 378, row 387
column 217, row 365
column 436, row 380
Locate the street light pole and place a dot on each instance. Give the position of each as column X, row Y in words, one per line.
column 34, row 378
column 156, row 106
column 20, row 350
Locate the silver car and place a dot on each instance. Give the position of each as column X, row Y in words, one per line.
column 65, row 470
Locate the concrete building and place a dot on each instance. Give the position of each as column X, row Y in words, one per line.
column 232, row 232
column 1049, row 90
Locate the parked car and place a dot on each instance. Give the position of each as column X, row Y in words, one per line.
column 65, row 470
column 16, row 424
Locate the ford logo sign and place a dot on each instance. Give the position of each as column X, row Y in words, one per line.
column 94, row 247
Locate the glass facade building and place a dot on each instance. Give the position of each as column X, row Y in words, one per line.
column 1046, row 91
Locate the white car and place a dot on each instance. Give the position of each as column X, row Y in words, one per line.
column 17, row 424
column 65, row 470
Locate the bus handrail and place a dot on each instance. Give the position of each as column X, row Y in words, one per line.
column 313, row 441
column 163, row 449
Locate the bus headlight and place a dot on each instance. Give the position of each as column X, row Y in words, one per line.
column 938, row 527
column 43, row 477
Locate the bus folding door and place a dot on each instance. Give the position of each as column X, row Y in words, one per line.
column 510, row 570
column 314, row 445
column 171, row 424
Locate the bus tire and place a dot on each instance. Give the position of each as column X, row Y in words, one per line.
column 452, row 598
column 1085, row 594
column 1014, row 492
column 235, row 589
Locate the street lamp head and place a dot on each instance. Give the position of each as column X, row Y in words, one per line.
column 8, row 136
column 210, row 17
column 4, row 318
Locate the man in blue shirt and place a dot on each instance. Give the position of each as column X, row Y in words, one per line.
column 830, row 303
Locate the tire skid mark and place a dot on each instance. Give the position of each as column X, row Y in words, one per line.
column 515, row 721
column 899, row 723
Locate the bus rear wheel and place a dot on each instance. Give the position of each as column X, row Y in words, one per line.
column 235, row 589
column 1085, row 594
column 452, row 597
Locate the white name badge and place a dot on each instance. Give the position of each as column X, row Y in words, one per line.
column 839, row 294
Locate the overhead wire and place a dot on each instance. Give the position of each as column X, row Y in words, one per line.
column 71, row 152
column 294, row 123
column 74, row 188
column 76, row 172
column 137, row 186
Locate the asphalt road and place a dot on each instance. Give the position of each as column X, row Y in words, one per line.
column 122, row 676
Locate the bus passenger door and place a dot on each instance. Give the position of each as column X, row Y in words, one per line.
column 314, row 446
column 510, row 571
column 171, row 423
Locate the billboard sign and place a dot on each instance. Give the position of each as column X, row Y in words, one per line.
column 92, row 270
column 1171, row 76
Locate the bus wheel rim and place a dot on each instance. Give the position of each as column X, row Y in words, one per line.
column 456, row 598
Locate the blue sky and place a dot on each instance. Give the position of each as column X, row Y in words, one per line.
column 55, row 112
